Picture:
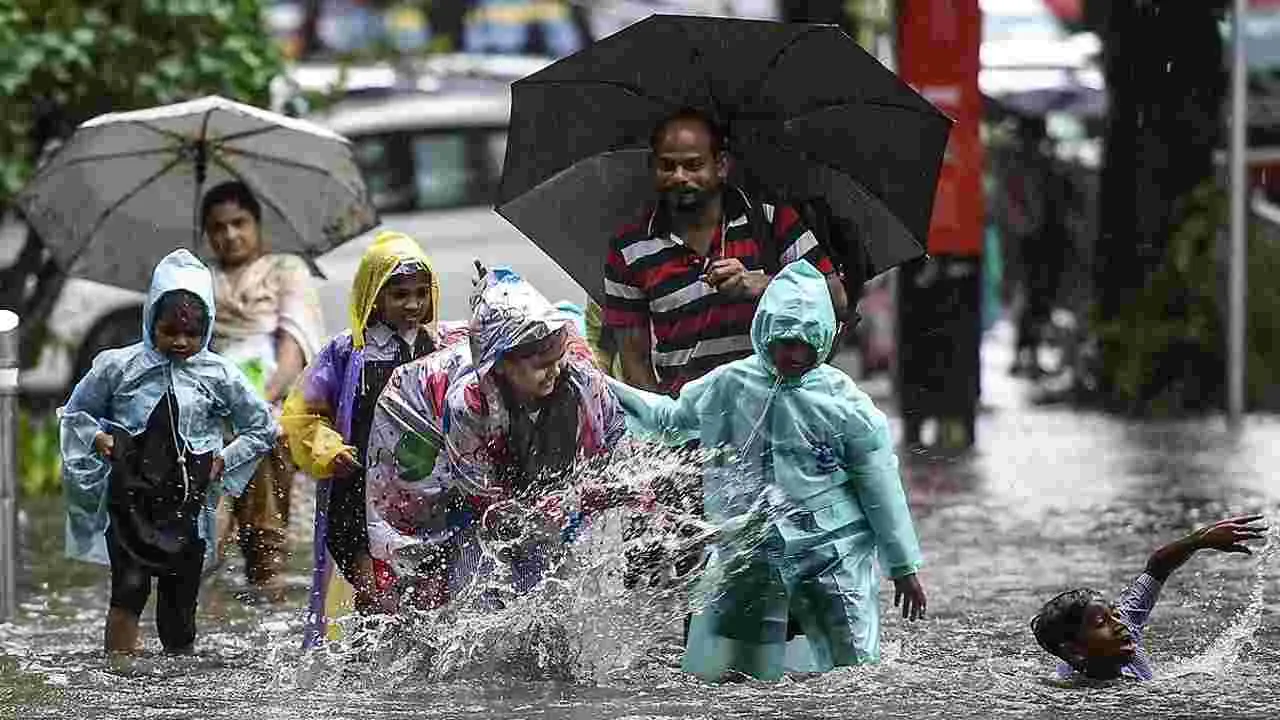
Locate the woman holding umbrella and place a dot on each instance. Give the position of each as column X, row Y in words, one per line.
column 270, row 325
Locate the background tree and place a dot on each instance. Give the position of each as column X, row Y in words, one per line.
column 65, row 61
column 1166, row 83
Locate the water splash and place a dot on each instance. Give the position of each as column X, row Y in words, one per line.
column 1225, row 650
column 578, row 622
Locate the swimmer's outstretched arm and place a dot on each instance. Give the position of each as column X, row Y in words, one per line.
column 1225, row 536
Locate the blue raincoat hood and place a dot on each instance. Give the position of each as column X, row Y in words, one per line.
column 795, row 306
column 179, row 270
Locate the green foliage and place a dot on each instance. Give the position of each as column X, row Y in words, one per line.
column 1165, row 353
column 39, row 456
column 76, row 59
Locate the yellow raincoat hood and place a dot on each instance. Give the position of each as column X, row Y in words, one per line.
column 389, row 250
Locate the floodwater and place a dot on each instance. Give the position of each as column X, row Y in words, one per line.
column 1051, row 499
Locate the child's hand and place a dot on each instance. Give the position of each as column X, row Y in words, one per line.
column 216, row 468
column 1230, row 534
column 345, row 465
column 104, row 443
column 908, row 592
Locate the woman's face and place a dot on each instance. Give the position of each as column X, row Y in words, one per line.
column 233, row 234
column 533, row 377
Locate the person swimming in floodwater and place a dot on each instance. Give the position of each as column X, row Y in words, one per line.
column 143, row 460
column 1102, row 640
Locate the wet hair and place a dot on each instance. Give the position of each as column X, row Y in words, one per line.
column 718, row 135
column 183, row 307
column 1059, row 620
column 232, row 191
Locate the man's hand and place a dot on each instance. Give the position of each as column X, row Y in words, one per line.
column 216, row 468
column 908, row 593
column 345, row 465
column 1230, row 534
column 730, row 277
column 104, row 443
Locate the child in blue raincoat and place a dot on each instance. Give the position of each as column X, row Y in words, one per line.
column 143, row 460
column 802, row 481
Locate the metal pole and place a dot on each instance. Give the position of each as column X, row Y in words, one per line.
column 1239, row 248
column 8, row 465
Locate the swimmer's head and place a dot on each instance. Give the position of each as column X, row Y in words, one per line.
column 1082, row 628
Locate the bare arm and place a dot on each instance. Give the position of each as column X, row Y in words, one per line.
column 636, row 347
column 1225, row 536
column 289, row 363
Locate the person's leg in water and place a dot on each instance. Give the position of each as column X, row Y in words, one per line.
column 348, row 541
column 130, row 587
column 262, row 515
column 177, row 594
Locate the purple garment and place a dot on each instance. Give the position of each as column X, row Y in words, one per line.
column 1135, row 606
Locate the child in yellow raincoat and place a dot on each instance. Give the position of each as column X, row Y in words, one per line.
column 394, row 306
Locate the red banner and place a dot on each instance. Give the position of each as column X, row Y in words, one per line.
column 938, row 43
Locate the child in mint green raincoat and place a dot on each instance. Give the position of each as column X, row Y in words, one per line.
column 803, row 483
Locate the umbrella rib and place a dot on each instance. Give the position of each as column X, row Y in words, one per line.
column 928, row 112
column 102, row 217
column 247, row 133
column 161, row 131
column 628, row 87
column 115, row 156
column 777, row 58
column 283, row 162
column 811, row 157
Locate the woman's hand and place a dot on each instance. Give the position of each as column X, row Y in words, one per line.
column 216, row 468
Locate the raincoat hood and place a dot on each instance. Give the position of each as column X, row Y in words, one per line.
column 795, row 306
column 389, row 250
column 179, row 270
column 508, row 312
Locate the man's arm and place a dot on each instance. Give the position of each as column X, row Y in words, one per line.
column 1225, row 536
column 637, row 357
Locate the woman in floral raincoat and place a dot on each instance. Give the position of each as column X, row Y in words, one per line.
column 502, row 418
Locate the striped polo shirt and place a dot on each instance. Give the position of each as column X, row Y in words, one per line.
column 653, row 277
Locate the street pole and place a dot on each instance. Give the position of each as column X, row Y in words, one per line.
column 8, row 465
column 1236, row 269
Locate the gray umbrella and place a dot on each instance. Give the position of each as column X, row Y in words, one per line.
column 125, row 190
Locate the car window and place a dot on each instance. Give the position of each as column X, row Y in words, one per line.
column 386, row 170
column 442, row 175
column 431, row 170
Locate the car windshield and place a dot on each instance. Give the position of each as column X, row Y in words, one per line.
column 431, row 170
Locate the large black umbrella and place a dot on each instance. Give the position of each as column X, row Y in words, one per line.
column 808, row 113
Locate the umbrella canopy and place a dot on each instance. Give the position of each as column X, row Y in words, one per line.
column 808, row 113
column 125, row 189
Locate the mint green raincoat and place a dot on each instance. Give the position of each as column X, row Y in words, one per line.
column 803, row 482
column 124, row 386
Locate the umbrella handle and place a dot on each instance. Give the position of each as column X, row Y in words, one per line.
column 202, row 168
